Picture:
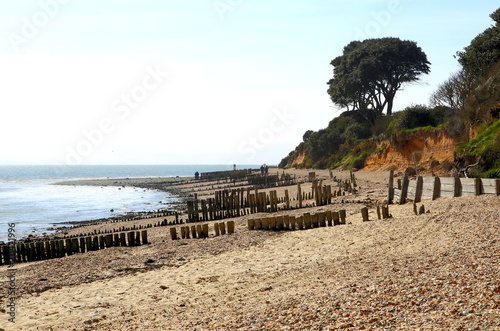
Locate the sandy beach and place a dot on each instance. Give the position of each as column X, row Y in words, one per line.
column 435, row 271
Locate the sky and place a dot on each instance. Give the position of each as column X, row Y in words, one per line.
column 196, row 81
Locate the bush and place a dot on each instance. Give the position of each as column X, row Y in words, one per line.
column 414, row 117
column 492, row 173
column 381, row 125
column 441, row 114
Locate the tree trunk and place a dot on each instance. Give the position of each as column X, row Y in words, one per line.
column 390, row 102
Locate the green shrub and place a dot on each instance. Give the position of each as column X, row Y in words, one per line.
column 492, row 173
column 414, row 117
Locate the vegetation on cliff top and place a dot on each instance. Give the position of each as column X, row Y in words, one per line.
column 469, row 101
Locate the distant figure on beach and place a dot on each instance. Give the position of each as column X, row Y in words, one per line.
column 264, row 169
column 197, row 175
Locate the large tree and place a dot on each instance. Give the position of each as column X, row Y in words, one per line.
column 368, row 74
column 483, row 51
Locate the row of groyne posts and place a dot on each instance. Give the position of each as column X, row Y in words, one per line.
column 230, row 203
column 303, row 222
column 244, row 201
column 432, row 188
column 55, row 248
column 202, row 231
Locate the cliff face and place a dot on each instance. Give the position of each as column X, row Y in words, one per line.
column 430, row 150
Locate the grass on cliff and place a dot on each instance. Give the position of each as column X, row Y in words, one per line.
column 486, row 147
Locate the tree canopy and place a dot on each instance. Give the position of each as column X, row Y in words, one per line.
column 368, row 74
column 483, row 51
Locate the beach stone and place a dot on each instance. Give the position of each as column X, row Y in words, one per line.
column 410, row 171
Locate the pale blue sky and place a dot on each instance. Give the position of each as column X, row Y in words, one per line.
column 201, row 81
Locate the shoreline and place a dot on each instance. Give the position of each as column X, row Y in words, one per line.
column 164, row 184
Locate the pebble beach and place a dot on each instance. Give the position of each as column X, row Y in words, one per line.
column 436, row 271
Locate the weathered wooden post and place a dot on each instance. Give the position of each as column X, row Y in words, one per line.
column 22, row 252
column 307, row 220
column 280, row 223
column 205, row 230
column 251, row 225
column 364, row 213
column 272, row 223
column 265, row 223
column 109, row 240
column 437, row 188
column 45, row 247
column 329, row 217
column 329, row 194
column 237, row 204
column 69, row 249
column 291, row 220
column 75, row 245
column 385, row 212
column 190, row 209
column 199, row 231
column 144, row 235
column 353, row 180
column 299, row 195
column 131, row 238
column 336, row 218
column 82, row 245
column 322, row 219
column 313, row 188
column 123, row 241
column 286, row 222
column 193, row 231
column 217, row 231
column 258, row 224
column 173, row 233
column 116, row 239
column 379, row 215
column 404, row 189
column 32, row 251
column 287, row 200
column 222, row 228
column 88, row 244
column 196, row 210
column 230, row 227
column 419, row 189
column 314, row 221
column 342, row 214
column 390, row 196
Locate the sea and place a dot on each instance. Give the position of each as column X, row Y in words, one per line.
column 31, row 202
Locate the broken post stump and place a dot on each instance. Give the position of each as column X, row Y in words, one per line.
column 364, row 213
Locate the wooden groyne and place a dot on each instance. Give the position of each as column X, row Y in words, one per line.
column 431, row 188
column 50, row 249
